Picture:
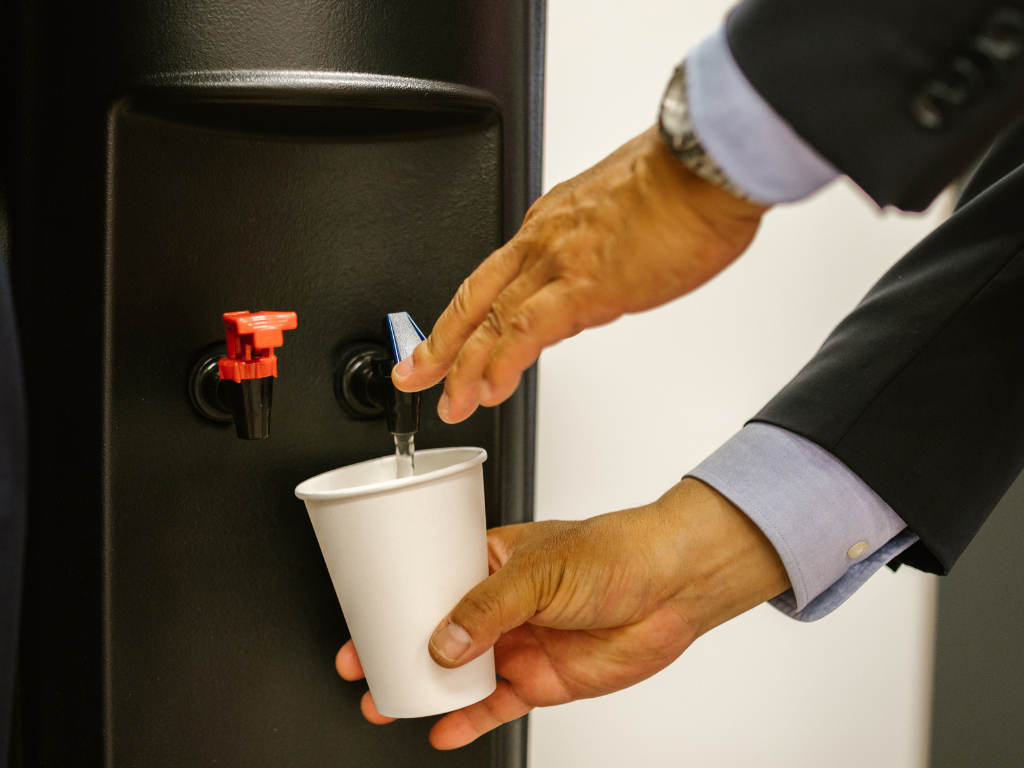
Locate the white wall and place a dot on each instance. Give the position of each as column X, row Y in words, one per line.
column 851, row 690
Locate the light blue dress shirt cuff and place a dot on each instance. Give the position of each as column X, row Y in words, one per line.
column 843, row 589
column 755, row 147
column 830, row 529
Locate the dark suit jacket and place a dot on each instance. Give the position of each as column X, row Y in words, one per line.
column 12, row 503
column 920, row 391
column 900, row 95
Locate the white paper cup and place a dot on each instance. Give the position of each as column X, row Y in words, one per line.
column 401, row 554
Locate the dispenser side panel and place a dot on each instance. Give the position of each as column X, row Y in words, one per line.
column 222, row 620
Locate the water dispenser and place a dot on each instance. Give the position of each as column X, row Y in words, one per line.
column 165, row 163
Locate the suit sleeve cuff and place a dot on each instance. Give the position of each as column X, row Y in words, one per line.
column 755, row 147
column 822, row 519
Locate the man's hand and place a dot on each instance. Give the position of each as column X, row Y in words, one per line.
column 581, row 609
column 634, row 232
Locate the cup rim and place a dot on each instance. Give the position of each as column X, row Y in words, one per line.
column 388, row 485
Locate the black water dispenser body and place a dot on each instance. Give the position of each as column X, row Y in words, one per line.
column 166, row 161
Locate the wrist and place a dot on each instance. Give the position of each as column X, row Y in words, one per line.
column 730, row 219
column 676, row 129
column 725, row 564
column 734, row 203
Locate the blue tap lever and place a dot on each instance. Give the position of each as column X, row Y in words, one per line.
column 403, row 335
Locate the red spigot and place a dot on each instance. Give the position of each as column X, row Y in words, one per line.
column 250, row 367
column 251, row 339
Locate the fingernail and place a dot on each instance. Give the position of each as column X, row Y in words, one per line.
column 484, row 392
column 451, row 641
column 442, row 407
column 403, row 369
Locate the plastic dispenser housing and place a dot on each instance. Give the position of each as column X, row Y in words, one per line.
column 164, row 163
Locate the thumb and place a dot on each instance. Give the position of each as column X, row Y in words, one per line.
column 497, row 604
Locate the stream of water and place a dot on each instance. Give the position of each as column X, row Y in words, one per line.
column 405, row 455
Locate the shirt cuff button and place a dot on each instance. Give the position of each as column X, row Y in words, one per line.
column 857, row 550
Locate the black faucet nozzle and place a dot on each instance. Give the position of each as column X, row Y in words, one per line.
column 363, row 383
column 239, row 385
column 251, row 402
column 402, row 409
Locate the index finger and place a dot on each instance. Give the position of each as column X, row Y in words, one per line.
column 467, row 310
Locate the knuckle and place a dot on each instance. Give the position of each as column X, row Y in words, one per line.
column 501, row 543
column 543, row 571
column 561, row 262
column 569, row 261
column 422, row 355
column 510, row 256
column 462, row 302
column 523, row 323
column 476, row 610
column 494, row 324
column 543, row 203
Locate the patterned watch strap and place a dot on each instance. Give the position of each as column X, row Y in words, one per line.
column 677, row 130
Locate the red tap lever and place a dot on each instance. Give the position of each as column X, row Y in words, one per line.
column 249, row 370
column 251, row 339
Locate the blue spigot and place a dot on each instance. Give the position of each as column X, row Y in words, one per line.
column 401, row 408
column 402, row 334
column 363, row 383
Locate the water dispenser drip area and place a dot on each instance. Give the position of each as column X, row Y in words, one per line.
column 223, row 622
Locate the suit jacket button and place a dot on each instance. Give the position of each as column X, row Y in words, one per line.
column 966, row 73
column 1002, row 39
column 930, row 105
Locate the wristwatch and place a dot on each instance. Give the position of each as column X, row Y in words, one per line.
column 677, row 130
